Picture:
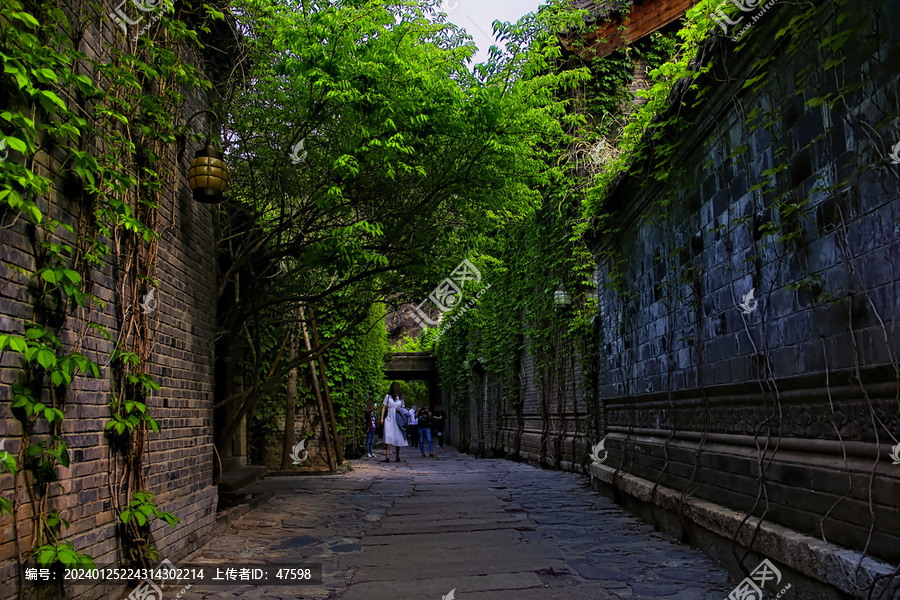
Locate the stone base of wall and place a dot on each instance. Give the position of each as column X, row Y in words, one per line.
column 810, row 565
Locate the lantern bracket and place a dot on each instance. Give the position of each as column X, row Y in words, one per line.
column 182, row 139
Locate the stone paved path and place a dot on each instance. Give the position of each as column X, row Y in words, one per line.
column 488, row 529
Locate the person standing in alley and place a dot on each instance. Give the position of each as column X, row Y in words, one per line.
column 370, row 429
column 412, row 428
column 424, row 417
column 393, row 434
column 438, row 416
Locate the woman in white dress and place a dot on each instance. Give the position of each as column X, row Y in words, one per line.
column 393, row 435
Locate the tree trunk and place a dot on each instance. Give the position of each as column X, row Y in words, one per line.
column 337, row 442
column 290, row 406
column 315, row 385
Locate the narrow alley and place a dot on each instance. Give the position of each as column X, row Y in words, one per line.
column 645, row 254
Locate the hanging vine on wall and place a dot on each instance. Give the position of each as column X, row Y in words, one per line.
column 104, row 132
column 785, row 217
column 528, row 260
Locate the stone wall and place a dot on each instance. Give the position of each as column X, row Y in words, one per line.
column 789, row 410
column 180, row 460
column 542, row 422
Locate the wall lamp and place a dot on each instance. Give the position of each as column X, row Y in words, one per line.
column 561, row 297
column 208, row 176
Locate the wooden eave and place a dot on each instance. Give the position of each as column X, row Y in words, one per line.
column 621, row 29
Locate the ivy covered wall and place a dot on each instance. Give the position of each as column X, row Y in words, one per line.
column 107, row 299
column 355, row 374
column 749, row 297
column 761, row 165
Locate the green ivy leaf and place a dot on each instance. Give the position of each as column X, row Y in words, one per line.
column 46, row 358
column 63, row 450
column 46, row 555
column 49, row 99
column 17, row 344
column 26, row 18
column 16, row 144
column 9, row 462
column 67, row 555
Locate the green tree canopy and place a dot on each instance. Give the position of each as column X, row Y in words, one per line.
column 409, row 160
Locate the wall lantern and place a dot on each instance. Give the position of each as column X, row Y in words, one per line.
column 208, row 176
column 561, row 297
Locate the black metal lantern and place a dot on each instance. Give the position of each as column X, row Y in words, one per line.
column 208, row 176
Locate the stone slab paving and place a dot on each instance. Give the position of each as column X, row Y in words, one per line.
column 486, row 529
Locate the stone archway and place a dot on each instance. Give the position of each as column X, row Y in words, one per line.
column 409, row 366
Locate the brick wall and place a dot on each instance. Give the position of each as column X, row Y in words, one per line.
column 756, row 412
column 541, row 421
column 179, row 464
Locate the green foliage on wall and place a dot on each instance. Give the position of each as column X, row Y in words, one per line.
column 527, row 259
column 103, row 133
column 354, row 363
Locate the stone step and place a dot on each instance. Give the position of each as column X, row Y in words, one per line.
column 237, row 478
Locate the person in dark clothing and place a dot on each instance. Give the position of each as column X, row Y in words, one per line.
column 438, row 417
column 424, row 417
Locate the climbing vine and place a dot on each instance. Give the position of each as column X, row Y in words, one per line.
column 792, row 205
column 540, row 252
column 356, row 372
column 103, row 132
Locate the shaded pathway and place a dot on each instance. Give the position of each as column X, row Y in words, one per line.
column 490, row 529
